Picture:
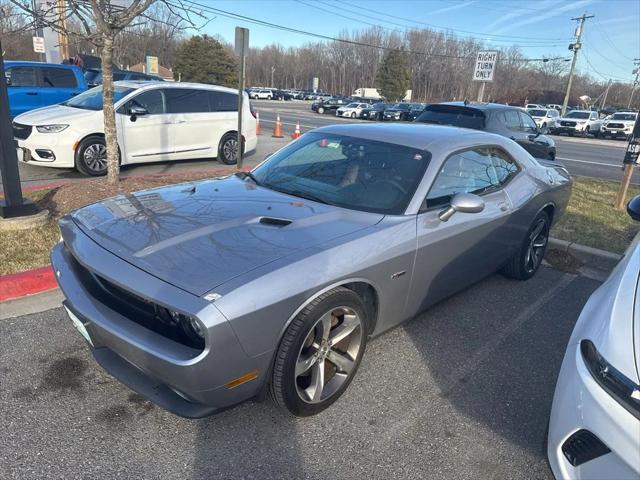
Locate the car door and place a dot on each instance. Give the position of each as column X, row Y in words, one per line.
column 58, row 84
column 531, row 140
column 197, row 132
column 22, row 87
column 594, row 122
column 454, row 254
column 146, row 138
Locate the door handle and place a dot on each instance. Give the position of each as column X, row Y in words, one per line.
column 504, row 206
column 32, row 93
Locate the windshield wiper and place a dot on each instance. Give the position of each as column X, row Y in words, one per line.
column 250, row 175
column 298, row 193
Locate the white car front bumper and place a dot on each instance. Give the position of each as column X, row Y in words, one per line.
column 580, row 403
column 48, row 149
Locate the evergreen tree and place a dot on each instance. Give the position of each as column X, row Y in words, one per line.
column 203, row 59
column 393, row 79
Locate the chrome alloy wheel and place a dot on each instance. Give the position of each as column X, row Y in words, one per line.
column 95, row 157
column 328, row 354
column 537, row 244
column 230, row 149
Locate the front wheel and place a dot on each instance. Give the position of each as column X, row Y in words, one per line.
column 525, row 263
column 353, row 114
column 320, row 110
column 91, row 157
column 228, row 149
column 320, row 353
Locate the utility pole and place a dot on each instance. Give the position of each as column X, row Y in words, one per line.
column 606, row 93
column 575, row 46
column 636, row 82
column 273, row 69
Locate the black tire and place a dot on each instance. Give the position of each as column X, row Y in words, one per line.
column 586, row 132
column 551, row 156
column 228, row 144
column 519, row 266
column 353, row 114
column 90, row 158
column 284, row 387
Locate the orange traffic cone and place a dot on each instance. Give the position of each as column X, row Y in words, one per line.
column 296, row 132
column 277, row 131
column 258, row 129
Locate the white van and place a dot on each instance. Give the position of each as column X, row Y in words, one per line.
column 155, row 121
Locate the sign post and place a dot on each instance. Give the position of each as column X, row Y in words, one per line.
column 484, row 69
column 631, row 159
column 38, row 44
column 13, row 204
column 241, row 47
column 151, row 65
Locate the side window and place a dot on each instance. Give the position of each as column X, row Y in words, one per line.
column 505, row 167
column 223, row 101
column 528, row 123
column 118, row 76
column 151, row 100
column 139, row 77
column 471, row 171
column 511, row 119
column 594, row 116
column 58, row 78
column 186, row 100
column 21, row 77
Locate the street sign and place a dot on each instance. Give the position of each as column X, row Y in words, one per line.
column 242, row 40
column 38, row 44
column 485, row 66
column 151, row 65
column 632, row 155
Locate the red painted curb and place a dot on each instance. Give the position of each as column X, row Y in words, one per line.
column 20, row 284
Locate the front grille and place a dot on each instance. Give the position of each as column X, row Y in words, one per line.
column 616, row 125
column 20, row 131
column 582, row 447
column 568, row 124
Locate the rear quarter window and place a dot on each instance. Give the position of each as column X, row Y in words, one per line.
column 454, row 116
column 58, row 78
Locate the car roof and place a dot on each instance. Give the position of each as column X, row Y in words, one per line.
column 151, row 84
column 28, row 63
column 415, row 135
column 481, row 105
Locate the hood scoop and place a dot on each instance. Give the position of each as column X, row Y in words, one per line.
column 276, row 222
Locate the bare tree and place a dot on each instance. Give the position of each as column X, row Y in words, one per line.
column 100, row 22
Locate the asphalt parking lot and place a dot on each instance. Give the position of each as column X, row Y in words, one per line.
column 461, row 392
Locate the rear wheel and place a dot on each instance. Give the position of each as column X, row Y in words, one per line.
column 586, row 132
column 353, row 114
column 228, row 149
column 525, row 263
column 320, row 353
column 91, row 157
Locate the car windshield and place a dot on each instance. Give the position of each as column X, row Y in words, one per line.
column 452, row 115
column 352, row 105
column 345, row 171
column 402, row 106
column 578, row 115
column 623, row 116
column 92, row 99
column 537, row 113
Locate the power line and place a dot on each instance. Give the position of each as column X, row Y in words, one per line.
column 343, row 2
column 538, row 42
column 605, row 35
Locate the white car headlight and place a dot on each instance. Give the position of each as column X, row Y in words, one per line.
column 56, row 128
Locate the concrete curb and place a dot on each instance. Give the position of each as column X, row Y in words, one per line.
column 594, row 257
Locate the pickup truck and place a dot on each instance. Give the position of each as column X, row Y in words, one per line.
column 32, row 85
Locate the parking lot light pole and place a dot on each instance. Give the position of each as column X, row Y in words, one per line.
column 13, row 204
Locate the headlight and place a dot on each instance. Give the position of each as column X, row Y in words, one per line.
column 623, row 390
column 192, row 328
column 51, row 128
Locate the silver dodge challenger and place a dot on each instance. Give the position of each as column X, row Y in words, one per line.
column 202, row 295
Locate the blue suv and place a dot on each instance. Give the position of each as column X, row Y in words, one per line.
column 33, row 85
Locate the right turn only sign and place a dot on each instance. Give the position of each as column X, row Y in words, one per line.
column 485, row 66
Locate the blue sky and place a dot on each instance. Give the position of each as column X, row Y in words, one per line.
column 611, row 40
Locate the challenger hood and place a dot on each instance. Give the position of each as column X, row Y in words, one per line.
column 199, row 235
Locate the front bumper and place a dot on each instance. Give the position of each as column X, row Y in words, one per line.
column 571, row 129
column 616, row 132
column 579, row 403
column 58, row 145
column 184, row 380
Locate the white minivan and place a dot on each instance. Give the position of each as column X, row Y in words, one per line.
column 155, row 121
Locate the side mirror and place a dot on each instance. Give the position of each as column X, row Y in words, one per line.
column 633, row 208
column 136, row 111
column 464, row 203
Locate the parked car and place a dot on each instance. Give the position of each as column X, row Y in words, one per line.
column 415, row 111
column 594, row 429
column 93, row 76
column 281, row 95
column 529, row 106
column 555, row 106
column 261, row 93
column 583, row 122
column 510, row 122
column 328, row 106
column 619, row 124
column 32, row 85
column 353, row 110
column 546, row 119
column 375, row 111
column 155, row 121
column 185, row 293
column 398, row 111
